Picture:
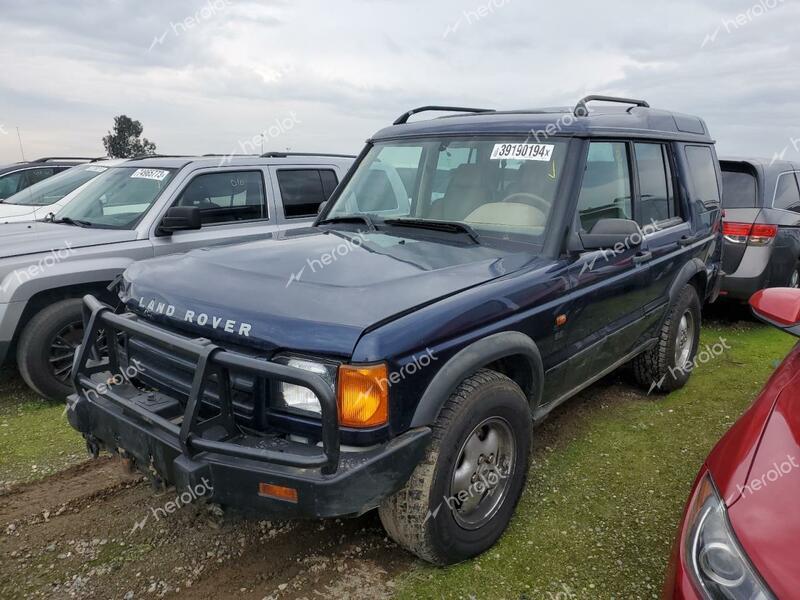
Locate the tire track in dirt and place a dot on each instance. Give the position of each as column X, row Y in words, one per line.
column 74, row 535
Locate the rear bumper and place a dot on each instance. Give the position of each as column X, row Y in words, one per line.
column 197, row 453
column 751, row 275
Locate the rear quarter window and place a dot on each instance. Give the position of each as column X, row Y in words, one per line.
column 703, row 173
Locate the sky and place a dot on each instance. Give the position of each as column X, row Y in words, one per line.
column 223, row 76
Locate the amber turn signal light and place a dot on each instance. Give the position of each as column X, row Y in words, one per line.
column 278, row 492
column 363, row 395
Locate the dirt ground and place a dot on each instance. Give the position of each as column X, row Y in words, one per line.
column 75, row 535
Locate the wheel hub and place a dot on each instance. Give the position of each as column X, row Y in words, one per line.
column 484, row 465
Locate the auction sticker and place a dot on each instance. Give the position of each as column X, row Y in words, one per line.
column 543, row 152
column 97, row 169
column 154, row 174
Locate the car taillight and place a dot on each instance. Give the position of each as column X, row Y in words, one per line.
column 745, row 233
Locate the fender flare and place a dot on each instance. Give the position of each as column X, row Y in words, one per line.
column 21, row 285
column 689, row 270
column 468, row 361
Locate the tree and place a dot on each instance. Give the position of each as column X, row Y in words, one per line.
column 125, row 141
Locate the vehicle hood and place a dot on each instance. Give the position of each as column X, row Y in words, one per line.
column 20, row 239
column 308, row 290
column 11, row 211
column 762, row 493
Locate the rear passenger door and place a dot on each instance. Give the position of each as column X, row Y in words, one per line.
column 234, row 207
column 660, row 214
column 299, row 192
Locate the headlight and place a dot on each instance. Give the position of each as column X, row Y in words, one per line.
column 718, row 564
column 298, row 399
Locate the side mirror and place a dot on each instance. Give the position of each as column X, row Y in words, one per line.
column 607, row 234
column 180, row 218
column 779, row 307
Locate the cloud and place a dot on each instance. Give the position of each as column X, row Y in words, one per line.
column 349, row 68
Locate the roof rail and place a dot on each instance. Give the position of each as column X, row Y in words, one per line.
column 581, row 110
column 213, row 155
column 406, row 115
column 70, row 158
column 287, row 154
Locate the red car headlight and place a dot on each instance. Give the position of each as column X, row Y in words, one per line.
column 716, row 561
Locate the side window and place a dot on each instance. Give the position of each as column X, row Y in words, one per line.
column 703, row 173
column 37, row 175
column 606, row 188
column 739, row 188
column 226, row 197
column 656, row 201
column 787, row 194
column 10, row 184
column 303, row 190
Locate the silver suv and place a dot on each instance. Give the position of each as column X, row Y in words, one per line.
column 139, row 209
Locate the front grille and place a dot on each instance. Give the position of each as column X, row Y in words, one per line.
column 172, row 375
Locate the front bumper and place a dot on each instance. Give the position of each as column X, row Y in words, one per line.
column 214, row 455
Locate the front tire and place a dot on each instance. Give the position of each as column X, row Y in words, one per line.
column 461, row 497
column 47, row 347
column 668, row 365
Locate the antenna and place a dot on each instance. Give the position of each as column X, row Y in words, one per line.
column 21, row 151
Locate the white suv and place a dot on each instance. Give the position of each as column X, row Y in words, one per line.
column 52, row 194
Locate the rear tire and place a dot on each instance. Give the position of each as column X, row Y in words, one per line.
column 668, row 365
column 47, row 346
column 487, row 417
column 794, row 278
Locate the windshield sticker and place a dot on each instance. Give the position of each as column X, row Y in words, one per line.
column 543, row 152
column 96, row 169
column 154, row 174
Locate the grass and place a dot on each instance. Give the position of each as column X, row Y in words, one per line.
column 35, row 438
column 611, row 473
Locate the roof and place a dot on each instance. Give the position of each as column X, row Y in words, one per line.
column 223, row 160
column 768, row 164
column 636, row 121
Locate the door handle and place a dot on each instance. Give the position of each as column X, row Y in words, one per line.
column 688, row 241
column 642, row 257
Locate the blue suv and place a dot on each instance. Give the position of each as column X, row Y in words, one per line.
column 470, row 274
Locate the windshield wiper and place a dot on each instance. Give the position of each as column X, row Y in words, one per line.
column 69, row 221
column 366, row 219
column 449, row 226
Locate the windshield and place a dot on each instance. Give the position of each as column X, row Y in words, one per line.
column 118, row 198
column 54, row 188
column 502, row 187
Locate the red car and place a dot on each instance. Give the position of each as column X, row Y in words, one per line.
column 740, row 535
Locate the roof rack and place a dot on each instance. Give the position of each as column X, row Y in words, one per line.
column 213, row 155
column 581, row 110
column 406, row 115
column 287, row 154
column 70, row 158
